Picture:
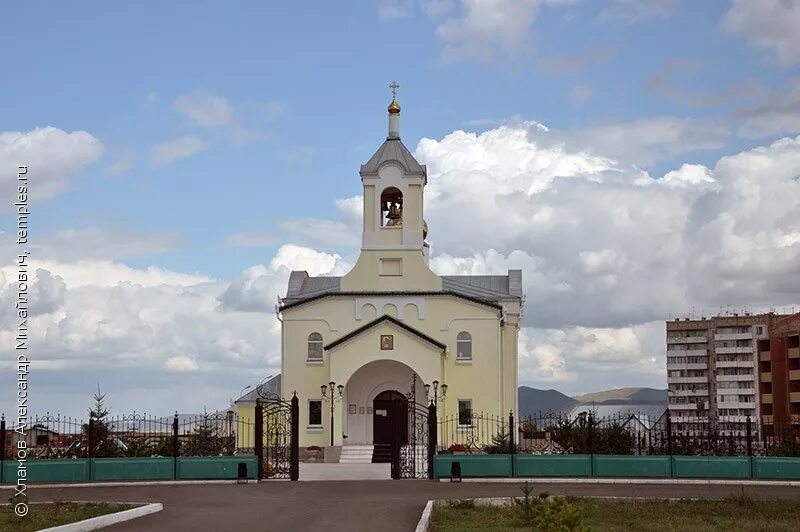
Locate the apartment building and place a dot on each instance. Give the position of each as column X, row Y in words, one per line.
column 712, row 371
column 779, row 377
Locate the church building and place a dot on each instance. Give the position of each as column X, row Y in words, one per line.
column 392, row 323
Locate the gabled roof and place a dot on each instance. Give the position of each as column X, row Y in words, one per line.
column 301, row 286
column 393, row 150
column 489, row 287
column 486, row 289
column 394, row 321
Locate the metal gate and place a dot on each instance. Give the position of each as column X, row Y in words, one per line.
column 277, row 437
column 414, row 438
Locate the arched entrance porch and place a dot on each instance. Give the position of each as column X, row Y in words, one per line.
column 369, row 395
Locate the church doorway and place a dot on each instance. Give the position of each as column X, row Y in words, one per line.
column 390, row 414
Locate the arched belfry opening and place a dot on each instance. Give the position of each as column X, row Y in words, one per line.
column 391, row 207
column 394, row 255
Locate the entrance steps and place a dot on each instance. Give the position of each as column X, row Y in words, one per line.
column 382, row 453
column 356, row 454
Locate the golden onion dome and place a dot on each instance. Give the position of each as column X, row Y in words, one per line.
column 394, row 107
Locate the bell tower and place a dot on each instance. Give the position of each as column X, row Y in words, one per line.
column 394, row 254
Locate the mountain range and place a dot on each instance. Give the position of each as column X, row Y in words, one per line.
column 532, row 400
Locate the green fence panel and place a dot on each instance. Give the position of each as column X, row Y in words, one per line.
column 61, row 470
column 774, row 467
column 557, row 465
column 132, row 469
column 711, row 466
column 631, row 466
column 215, row 467
column 479, row 465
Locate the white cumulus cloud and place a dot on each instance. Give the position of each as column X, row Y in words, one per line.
column 204, row 109
column 769, row 25
column 51, row 155
column 177, row 149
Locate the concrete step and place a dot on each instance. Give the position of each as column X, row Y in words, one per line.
column 356, row 454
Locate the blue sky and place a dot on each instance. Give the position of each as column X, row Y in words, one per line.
column 93, row 66
column 215, row 121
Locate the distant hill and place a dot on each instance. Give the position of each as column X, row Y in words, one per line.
column 621, row 396
column 532, row 400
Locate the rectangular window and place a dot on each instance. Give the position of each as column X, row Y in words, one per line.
column 314, row 413
column 465, row 412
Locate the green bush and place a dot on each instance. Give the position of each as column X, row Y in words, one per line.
column 501, row 444
column 586, row 436
column 787, row 445
column 548, row 515
column 529, row 505
column 138, row 446
column 559, row 515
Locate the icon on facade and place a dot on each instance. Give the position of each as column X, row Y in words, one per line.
column 351, row 409
column 387, row 342
column 360, row 409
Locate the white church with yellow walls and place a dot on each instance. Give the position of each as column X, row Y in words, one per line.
column 391, row 319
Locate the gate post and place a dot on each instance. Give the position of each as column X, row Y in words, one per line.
column 294, row 471
column 749, row 437
column 669, row 434
column 175, row 447
column 511, row 433
column 432, row 437
column 512, row 448
column 90, row 438
column 2, row 445
column 259, row 438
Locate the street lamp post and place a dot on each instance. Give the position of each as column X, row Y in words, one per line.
column 436, row 388
column 329, row 394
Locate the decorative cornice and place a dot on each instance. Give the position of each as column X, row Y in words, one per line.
column 400, row 293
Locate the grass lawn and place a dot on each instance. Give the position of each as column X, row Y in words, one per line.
column 698, row 516
column 47, row 515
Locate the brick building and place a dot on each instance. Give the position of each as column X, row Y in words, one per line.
column 779, row 376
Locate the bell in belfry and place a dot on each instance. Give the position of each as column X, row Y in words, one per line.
column 395, row 215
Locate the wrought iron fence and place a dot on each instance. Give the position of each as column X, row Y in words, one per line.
column 52, row 436
column 620, row 433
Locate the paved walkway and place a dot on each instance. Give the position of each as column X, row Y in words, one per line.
column 352, row 506
column 345, row 471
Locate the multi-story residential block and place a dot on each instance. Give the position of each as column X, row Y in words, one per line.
column 779, row 376
column 712, row 371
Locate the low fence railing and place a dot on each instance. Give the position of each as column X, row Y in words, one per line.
column 626, row 433
column 53, row 436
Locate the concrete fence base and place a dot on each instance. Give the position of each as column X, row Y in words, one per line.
column 616, row 466
column 141, row 469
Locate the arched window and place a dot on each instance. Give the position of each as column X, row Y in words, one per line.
column 464, row 346
column 315, row 346
column 391, row 207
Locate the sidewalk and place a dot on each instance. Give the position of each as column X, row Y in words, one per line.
column 354, row 506
column 345, row 471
